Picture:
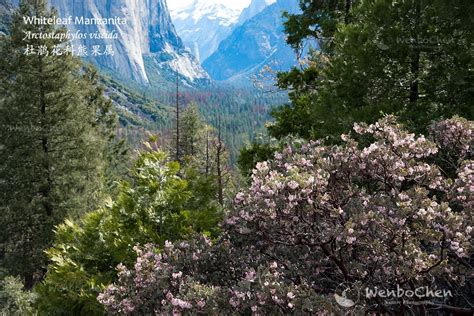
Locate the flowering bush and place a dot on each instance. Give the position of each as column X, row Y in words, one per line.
column 179, row 279
column 382, row 215
column 162, row 281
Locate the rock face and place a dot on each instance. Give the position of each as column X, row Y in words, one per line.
column 257, row 43
column 148, row 35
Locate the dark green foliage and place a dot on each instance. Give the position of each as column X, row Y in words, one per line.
column 202, row 205
column 135, row 109
column 204, row 152
column 54, row 125
column 14, row 299
column 115, row 151
column 411, row 58
column 156, row 205
column 193, row 132
column 297, row 118
column 319, row 20
column 256, row 152
column 243, row 112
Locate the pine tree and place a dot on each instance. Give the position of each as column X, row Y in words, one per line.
column 52, row 147
column 411, row 58
column 178, row 128
column 318, row 20
column 203, row 149
column 192, row 132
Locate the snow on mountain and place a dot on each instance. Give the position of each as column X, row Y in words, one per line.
column 255, row 7
column 257, row 43
column 203, row 25
column 213, row 11
column 233, row 4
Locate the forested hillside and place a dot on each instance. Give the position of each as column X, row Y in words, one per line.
column 343, row 187
column 243, row 112
column 5, row 15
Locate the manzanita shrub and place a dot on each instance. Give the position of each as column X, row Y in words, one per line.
column 385, row 210
column 199, row 277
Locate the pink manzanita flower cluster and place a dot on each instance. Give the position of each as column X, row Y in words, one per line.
column 385, row 209
column 170, row 282
column 455, row 135
column 463, row 190
column 382, row 213
column 154, row 282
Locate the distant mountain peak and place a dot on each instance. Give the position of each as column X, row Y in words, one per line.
column 200, row 9
column 255, row 7
column 203, row 24
column 253, row 45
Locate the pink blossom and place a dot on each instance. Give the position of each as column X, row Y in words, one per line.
column 180, row 303
column 293, row 185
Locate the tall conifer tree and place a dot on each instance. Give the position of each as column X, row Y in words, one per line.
column 411, row 58
column 51, row 146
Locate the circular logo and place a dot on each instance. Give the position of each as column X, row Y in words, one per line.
column 346, row 296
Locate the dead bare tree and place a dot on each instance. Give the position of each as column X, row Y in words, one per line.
column 177, row 110
column 208, row 162
column 219, row 159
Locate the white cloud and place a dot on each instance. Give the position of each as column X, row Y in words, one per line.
column 234, row 4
